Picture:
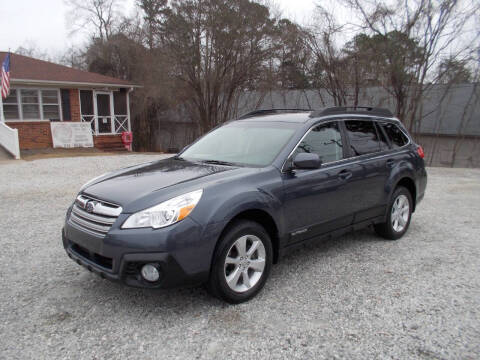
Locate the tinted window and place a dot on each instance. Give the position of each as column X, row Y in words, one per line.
column 397, row 137
column 363, row 137
column 324, row 140
column 383, row 140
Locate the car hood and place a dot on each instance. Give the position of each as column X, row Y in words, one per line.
column 127, row 185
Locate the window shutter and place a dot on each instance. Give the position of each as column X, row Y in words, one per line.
column 65, row 94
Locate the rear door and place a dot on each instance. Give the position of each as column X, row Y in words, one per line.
column 317, row 201
column 368, row 149
column 398, row 143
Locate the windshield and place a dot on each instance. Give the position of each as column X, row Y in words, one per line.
column 242, row 142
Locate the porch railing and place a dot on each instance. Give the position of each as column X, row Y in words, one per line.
column 9, row 139
column 115, row 124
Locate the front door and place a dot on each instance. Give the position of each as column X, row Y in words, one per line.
column 103, row 109
column 317, row 201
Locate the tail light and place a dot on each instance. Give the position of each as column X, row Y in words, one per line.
column 420, row 152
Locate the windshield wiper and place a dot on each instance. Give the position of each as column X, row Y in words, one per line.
column 218, row 162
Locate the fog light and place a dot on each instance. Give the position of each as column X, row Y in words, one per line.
column 150, row 272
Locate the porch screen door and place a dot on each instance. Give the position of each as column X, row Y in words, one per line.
column 104, row 114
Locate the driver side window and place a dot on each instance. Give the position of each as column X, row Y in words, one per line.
column 324, row 140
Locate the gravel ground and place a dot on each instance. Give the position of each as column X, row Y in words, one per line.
column 355, row 297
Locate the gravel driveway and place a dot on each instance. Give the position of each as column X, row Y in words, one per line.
column 355, row 297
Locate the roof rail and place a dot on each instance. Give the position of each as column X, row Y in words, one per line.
column 270, row 112
column 368, row 110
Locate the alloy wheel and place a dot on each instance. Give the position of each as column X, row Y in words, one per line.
column 400, row 213
column 245, row 263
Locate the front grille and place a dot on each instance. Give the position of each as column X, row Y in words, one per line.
column 98, row 259
column 94, row 216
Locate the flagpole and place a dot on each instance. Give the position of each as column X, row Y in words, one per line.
column 2, row 116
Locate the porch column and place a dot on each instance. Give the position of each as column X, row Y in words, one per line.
column 128, row 109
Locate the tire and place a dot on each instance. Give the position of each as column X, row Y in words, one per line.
column 237, row 274
column 397, row 221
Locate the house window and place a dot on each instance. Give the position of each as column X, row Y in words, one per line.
column 32, row 104
column 50, row 105
column 10, row 106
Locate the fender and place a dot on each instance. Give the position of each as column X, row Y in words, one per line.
column 404, row 169
column 222, row 213
column 255, row 199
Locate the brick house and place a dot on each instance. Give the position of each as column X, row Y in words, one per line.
column 42, row 92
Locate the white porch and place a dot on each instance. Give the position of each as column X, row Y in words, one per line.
column 108, row 112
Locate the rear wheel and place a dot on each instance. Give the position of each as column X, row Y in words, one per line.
column 398, row 217
column 242, row 262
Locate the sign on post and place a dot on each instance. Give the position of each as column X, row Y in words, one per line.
column 71, row 134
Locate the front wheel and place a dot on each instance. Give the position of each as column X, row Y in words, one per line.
column 241, row 263
column 398, row 217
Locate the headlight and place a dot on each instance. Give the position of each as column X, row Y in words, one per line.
column 166, row 213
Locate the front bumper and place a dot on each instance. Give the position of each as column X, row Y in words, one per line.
column 182, row 252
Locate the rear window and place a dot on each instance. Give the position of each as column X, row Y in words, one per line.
column 363, row 137
column 396, row 136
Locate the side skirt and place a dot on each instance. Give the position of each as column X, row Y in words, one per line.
column 332, row 234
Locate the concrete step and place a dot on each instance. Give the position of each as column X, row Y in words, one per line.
column 109, row 143
column 112, row 147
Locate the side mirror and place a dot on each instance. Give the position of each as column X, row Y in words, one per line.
column 307, row 161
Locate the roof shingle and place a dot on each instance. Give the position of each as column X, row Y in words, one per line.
column 27, row 68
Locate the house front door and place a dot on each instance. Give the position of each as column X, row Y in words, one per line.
column 103, row 111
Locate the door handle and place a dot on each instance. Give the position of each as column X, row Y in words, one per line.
column 390, row 163
column 345, row 174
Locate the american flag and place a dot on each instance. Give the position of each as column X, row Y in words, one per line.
column 6, row 77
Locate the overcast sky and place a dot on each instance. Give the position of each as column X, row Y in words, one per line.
column 42, row 24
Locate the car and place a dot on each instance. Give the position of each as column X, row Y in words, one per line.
column 229, row 206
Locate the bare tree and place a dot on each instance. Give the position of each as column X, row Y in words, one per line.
column 99, row 17
column 388, row 61
column 73, row 57
column 155, row 12
column 454, row 71
column 219, row 48
column 294, row 56
column 202, row 56
column 328, row 63
column 434, row 26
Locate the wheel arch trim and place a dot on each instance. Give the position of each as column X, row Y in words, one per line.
column 407, row 181
column 261, row 215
